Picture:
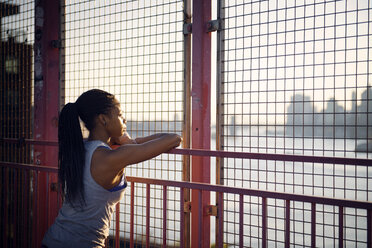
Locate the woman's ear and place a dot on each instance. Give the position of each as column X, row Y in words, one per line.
column 102, row 119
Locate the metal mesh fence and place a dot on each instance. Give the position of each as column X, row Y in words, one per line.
column 133, row 49
column 295, row 79
column 16, row 76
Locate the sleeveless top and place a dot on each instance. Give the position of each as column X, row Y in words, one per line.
column 86, row 226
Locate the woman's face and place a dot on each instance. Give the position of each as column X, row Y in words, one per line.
column 116, row 125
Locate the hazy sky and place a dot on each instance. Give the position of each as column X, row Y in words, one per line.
column 272, row 51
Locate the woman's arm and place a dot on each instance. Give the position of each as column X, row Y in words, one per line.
column 122, row 140
column 140, row 140
column 146, row 148
column 126, row 139
column 108, row 164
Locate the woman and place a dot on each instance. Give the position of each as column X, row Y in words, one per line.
column 91, row 174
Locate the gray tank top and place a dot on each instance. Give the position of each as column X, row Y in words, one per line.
column 87, row 227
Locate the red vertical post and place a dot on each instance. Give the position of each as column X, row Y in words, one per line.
column 264, row 222
column 341, row 227
column 186, row 169
column 287, row 223
column 117, row 225
column 132, row 215
column 369, row 228
column 165, row 190
column 147, row 215
column 313, row 225
column 182, row 218
column 220, row 220
column 201, row 117
column 46, row 105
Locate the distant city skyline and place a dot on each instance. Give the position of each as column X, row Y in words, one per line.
column 303, row 119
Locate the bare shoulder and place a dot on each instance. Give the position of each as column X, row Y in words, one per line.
column 101, row 170
column 109, row 160
column 100, row 153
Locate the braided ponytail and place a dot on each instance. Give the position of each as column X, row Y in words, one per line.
column 71, row 154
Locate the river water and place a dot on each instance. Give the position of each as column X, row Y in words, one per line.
column 329, row 180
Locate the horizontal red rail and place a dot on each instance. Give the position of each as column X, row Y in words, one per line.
column 255, row 192
column 278, row 157
column 220, row 188
column 29, row 167
column 229, row 154
column 22, row 141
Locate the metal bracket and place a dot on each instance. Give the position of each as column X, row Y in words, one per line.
column 187, row 28
column 56, row 44
column 213, row 25
column 54, row 187
column 187, row 207
column 211, row 210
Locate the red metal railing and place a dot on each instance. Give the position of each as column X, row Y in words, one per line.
column 264, row 195
column 228, row 154
column 201, row 188
column 22, row 198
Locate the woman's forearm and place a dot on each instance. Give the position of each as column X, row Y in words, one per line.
column 140, row 140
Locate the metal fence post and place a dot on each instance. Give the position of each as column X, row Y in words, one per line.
column 201, row 117
column 219, row 117
column 46, row 106
column 186, row 130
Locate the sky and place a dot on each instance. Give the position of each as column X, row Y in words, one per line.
column 272, row 51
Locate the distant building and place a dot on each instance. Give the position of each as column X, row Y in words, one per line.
column 300, row 119
column 15, row 92
column 364, row 115
column 334, row 121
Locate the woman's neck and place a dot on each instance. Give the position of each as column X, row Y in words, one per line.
column 99, row 135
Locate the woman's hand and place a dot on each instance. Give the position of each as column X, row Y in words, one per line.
column 122, row 140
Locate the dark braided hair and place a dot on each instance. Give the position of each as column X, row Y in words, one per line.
column 71, row 154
